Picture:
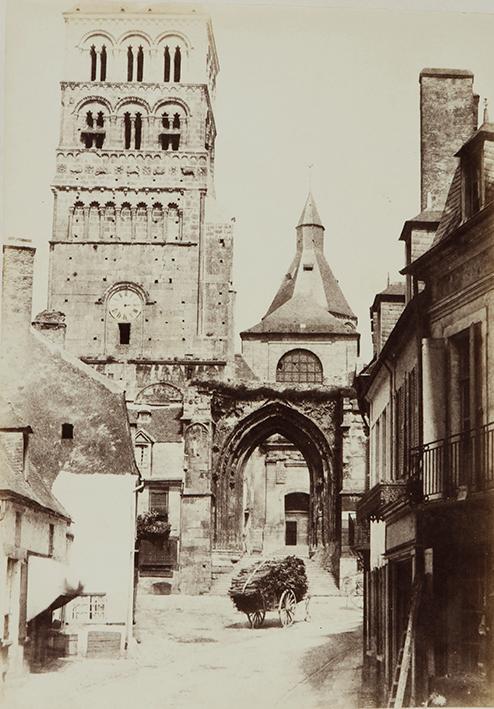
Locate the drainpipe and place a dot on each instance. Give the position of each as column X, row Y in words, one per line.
column 132, row 587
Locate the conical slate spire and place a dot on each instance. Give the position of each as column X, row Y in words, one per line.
column 310, row 215
column 309, row 299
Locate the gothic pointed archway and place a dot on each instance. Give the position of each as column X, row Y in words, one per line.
column 231, row 453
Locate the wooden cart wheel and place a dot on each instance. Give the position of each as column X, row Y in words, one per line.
column 287, row 607
column 256, row 619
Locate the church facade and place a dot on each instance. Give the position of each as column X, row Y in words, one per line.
column 141, row 268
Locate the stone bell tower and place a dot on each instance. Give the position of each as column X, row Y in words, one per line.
column 140, row 261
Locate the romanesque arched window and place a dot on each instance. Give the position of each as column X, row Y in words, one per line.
column 109, row 221
column 140, row 64
column 171, row 130
column 103, row 63
column 141, row 228
column 177, row 64
column 135, row 63
column 299, row 366
column 130, row 64
column 173, row 223
column 77, row 222
column 132, row 131
column 157, row 223
column 93, row 133
column 96, row 46
column 93, row 58
column 94, row 222
column 167, row 64
column 125, row 222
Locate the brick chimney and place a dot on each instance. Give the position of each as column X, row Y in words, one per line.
column 17, row 288
column 51, row 324
column 448, row 117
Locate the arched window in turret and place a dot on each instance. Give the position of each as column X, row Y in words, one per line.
column 140, row 64
column 167, row 64
column 138, row 131
column 96, row 46
column 92, row 54
column 103, row 63
column 299, row 366
column 130, row 64
column 127, row 131
column 177, row 64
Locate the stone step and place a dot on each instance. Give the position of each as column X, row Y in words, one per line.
column 320, row 581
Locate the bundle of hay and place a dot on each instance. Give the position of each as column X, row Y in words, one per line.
column 262, row 584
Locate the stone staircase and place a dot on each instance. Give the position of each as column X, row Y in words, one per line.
column 225, row 567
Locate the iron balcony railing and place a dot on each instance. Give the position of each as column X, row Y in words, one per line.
column 461, row 463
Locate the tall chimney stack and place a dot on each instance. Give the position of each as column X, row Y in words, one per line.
column 17, row 288
column 448, row 117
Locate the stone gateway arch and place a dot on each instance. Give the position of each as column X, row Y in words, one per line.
column 323, row 425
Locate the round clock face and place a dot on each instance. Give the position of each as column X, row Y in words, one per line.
column 125, row 305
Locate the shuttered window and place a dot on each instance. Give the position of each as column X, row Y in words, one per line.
column 158, row 500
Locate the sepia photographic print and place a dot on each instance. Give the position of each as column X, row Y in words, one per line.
column 246, row 355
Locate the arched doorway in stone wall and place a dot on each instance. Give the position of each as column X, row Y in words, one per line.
column 231, row 455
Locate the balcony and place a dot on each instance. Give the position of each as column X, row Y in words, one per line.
column 452, row 467
column 375, row 501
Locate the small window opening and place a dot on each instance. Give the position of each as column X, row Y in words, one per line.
column 138, row 131
column 92, row 54
column 67, row 431
column 140, row 63
column 176, row 120
column 127, row 130
column 124, row 332
column 167, row 64
column 103, row 63
column 177, row 64
column 308, row 267
column 130, row 64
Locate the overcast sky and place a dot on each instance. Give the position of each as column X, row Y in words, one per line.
column 301, row 84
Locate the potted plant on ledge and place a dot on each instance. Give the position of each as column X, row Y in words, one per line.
column 151, row 525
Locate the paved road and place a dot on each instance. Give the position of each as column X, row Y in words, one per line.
column 198, row 652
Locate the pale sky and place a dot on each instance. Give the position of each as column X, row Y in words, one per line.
column 333, row 86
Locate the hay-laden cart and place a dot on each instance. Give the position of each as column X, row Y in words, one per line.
column 256, row 599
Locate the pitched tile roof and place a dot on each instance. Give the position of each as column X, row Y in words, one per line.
column 48, row 387
column 242, row 369
column 301, row 315
column 32, row 490
column 9, row 419
column 451, row 217
column 164, row 424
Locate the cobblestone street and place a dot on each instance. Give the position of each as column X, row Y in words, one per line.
column 199, row 652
